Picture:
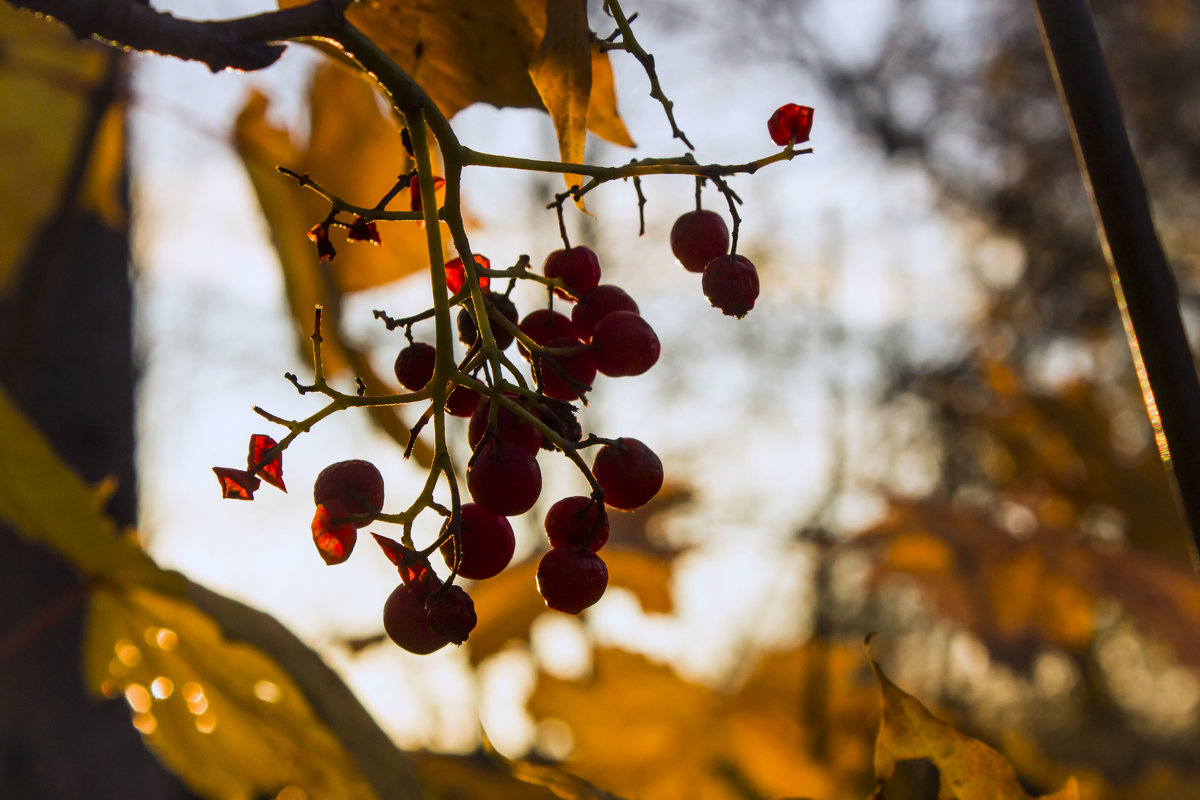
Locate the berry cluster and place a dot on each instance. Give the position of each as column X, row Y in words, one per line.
column 515, row 413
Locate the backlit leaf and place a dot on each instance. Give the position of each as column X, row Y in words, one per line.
column 562, row 72
column 236, row 484
column 969, row 769
column 270, row 470
column 222, row 715
column 46, row 76
column 44, row 500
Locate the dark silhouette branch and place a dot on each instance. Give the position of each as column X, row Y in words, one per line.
column 245, row 43
column 1147, row 295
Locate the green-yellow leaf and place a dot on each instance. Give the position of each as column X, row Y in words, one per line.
column 562, row 72
column 969, row 769
column 46, row 76
column 221, row 714
column 44, row 500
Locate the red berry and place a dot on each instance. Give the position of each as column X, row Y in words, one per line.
column 543, row 325
column 414, row 365
column 624, row 344
column 356, row 485
column 628, row 472
column 405, row 620
column 486, row 541
column 698, row 237
column 579, row 365
column 596, row 305
column 577, row 522
column 731, row 284
column 509, row 427
column 498, row 304
column 450, row 613
column 504, row 479
column 571, row 580
column 790, row 123
column 456, row 273
column 334, row 540
column 462, row 402
column 577, row 267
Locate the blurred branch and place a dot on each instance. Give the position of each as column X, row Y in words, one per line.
column 1147, row 295
column 246, row 43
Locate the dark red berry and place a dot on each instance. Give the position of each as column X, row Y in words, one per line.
column 629, row 472
column 597, row 304
column 450, row 613
column 543, row 325
column 405, row 619
column 334, row 540
column 456, row 273
column 578, row 522
column 355, row 484
column 624, row 344
column 462, row 402
column 698, row 237
column 790, row 123
column 504, row 479
column 415, row 364
column 510, row 428
column 486, row 540
column 579, row 365
column 571, row 580
column 577, row 267
column 731, row 284
column 497, row 304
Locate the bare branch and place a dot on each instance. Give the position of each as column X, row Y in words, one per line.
column 245, row 43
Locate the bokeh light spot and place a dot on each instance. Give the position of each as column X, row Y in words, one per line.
column 206, row 723
column 128, row 653
column 161, row 688
column 268, row 692
column 145, row 723
column 137, row 697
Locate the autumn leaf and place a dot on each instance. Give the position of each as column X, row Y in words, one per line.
column 968, row 768
column 463, row 52
column 562, row 72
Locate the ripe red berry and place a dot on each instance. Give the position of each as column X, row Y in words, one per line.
column 462, row 402
column 571, row 580
column 456, row 273
column 510, row 428
column 504, row 479
column 486, row 541
column 577, row 267
column 790, row 123
column 579, row 365
column 415, row 364
column 624, row 344
column 698, row 237
column 498, row 304
column 731, row 284
column 450, row 613
column 596, row 305
column 334, row 540
column 405, row 619
column 355, row 484
column 543, row 325
column 577, row 522
column 629, row 472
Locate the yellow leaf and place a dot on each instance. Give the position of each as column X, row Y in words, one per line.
column 463, row 52
column 968, row 768
column 222, row 715
column 562, row 72
column 46, row 77
column 44, row 500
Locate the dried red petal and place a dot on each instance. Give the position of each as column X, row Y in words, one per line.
column 414, row 190
column 270, row 471
column 236, row 484
column 362, row 231
column 412, row 566
column 320, row 234
column 456, row 273
column 334, row 540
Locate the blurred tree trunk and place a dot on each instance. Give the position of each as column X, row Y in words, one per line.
column 66, row 359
